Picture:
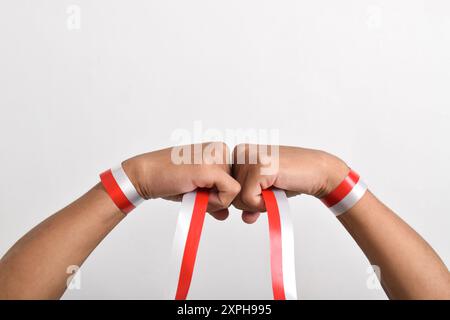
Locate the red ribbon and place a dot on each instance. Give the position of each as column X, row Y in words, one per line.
column 273, row 216
column 192, row 241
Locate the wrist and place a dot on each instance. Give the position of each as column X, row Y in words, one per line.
column 334, row 172
column 136, row 171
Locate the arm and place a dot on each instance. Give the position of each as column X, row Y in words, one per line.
column 410, row 269
column 35, row 267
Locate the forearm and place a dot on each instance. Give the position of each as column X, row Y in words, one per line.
column 36, row 266
column 30, row 270
column 410, row 269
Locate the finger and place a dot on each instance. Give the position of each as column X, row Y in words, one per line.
column 291, row 194
column 220, row 215
column 250, row 217
column 251, row 194
column 227, row 189
column 176, row 198
column 238, row 204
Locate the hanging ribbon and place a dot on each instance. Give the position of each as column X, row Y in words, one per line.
column 282, row 256
column 187, row 238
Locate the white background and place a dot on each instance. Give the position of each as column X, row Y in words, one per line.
column 366, row 80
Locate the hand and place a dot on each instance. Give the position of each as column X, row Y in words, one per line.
column 171, row 172
column 295, row 170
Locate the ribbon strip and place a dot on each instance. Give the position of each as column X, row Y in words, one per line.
column 186, row 241
column 282, row 256
column 187, row 238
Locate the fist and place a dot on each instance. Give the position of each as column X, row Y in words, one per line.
column 295, row 170
column 171, row 172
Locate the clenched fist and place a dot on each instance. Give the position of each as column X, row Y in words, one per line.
column 295, row 170
column 171, row 172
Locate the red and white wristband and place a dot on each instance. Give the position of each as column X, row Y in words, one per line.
column 346, row 194
column 120, row 189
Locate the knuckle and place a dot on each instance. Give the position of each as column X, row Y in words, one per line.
column 225, row 167
column 249, row 200
column 236, row 188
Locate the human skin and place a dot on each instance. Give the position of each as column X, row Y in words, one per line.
column 35, row 267
column 410, row 268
